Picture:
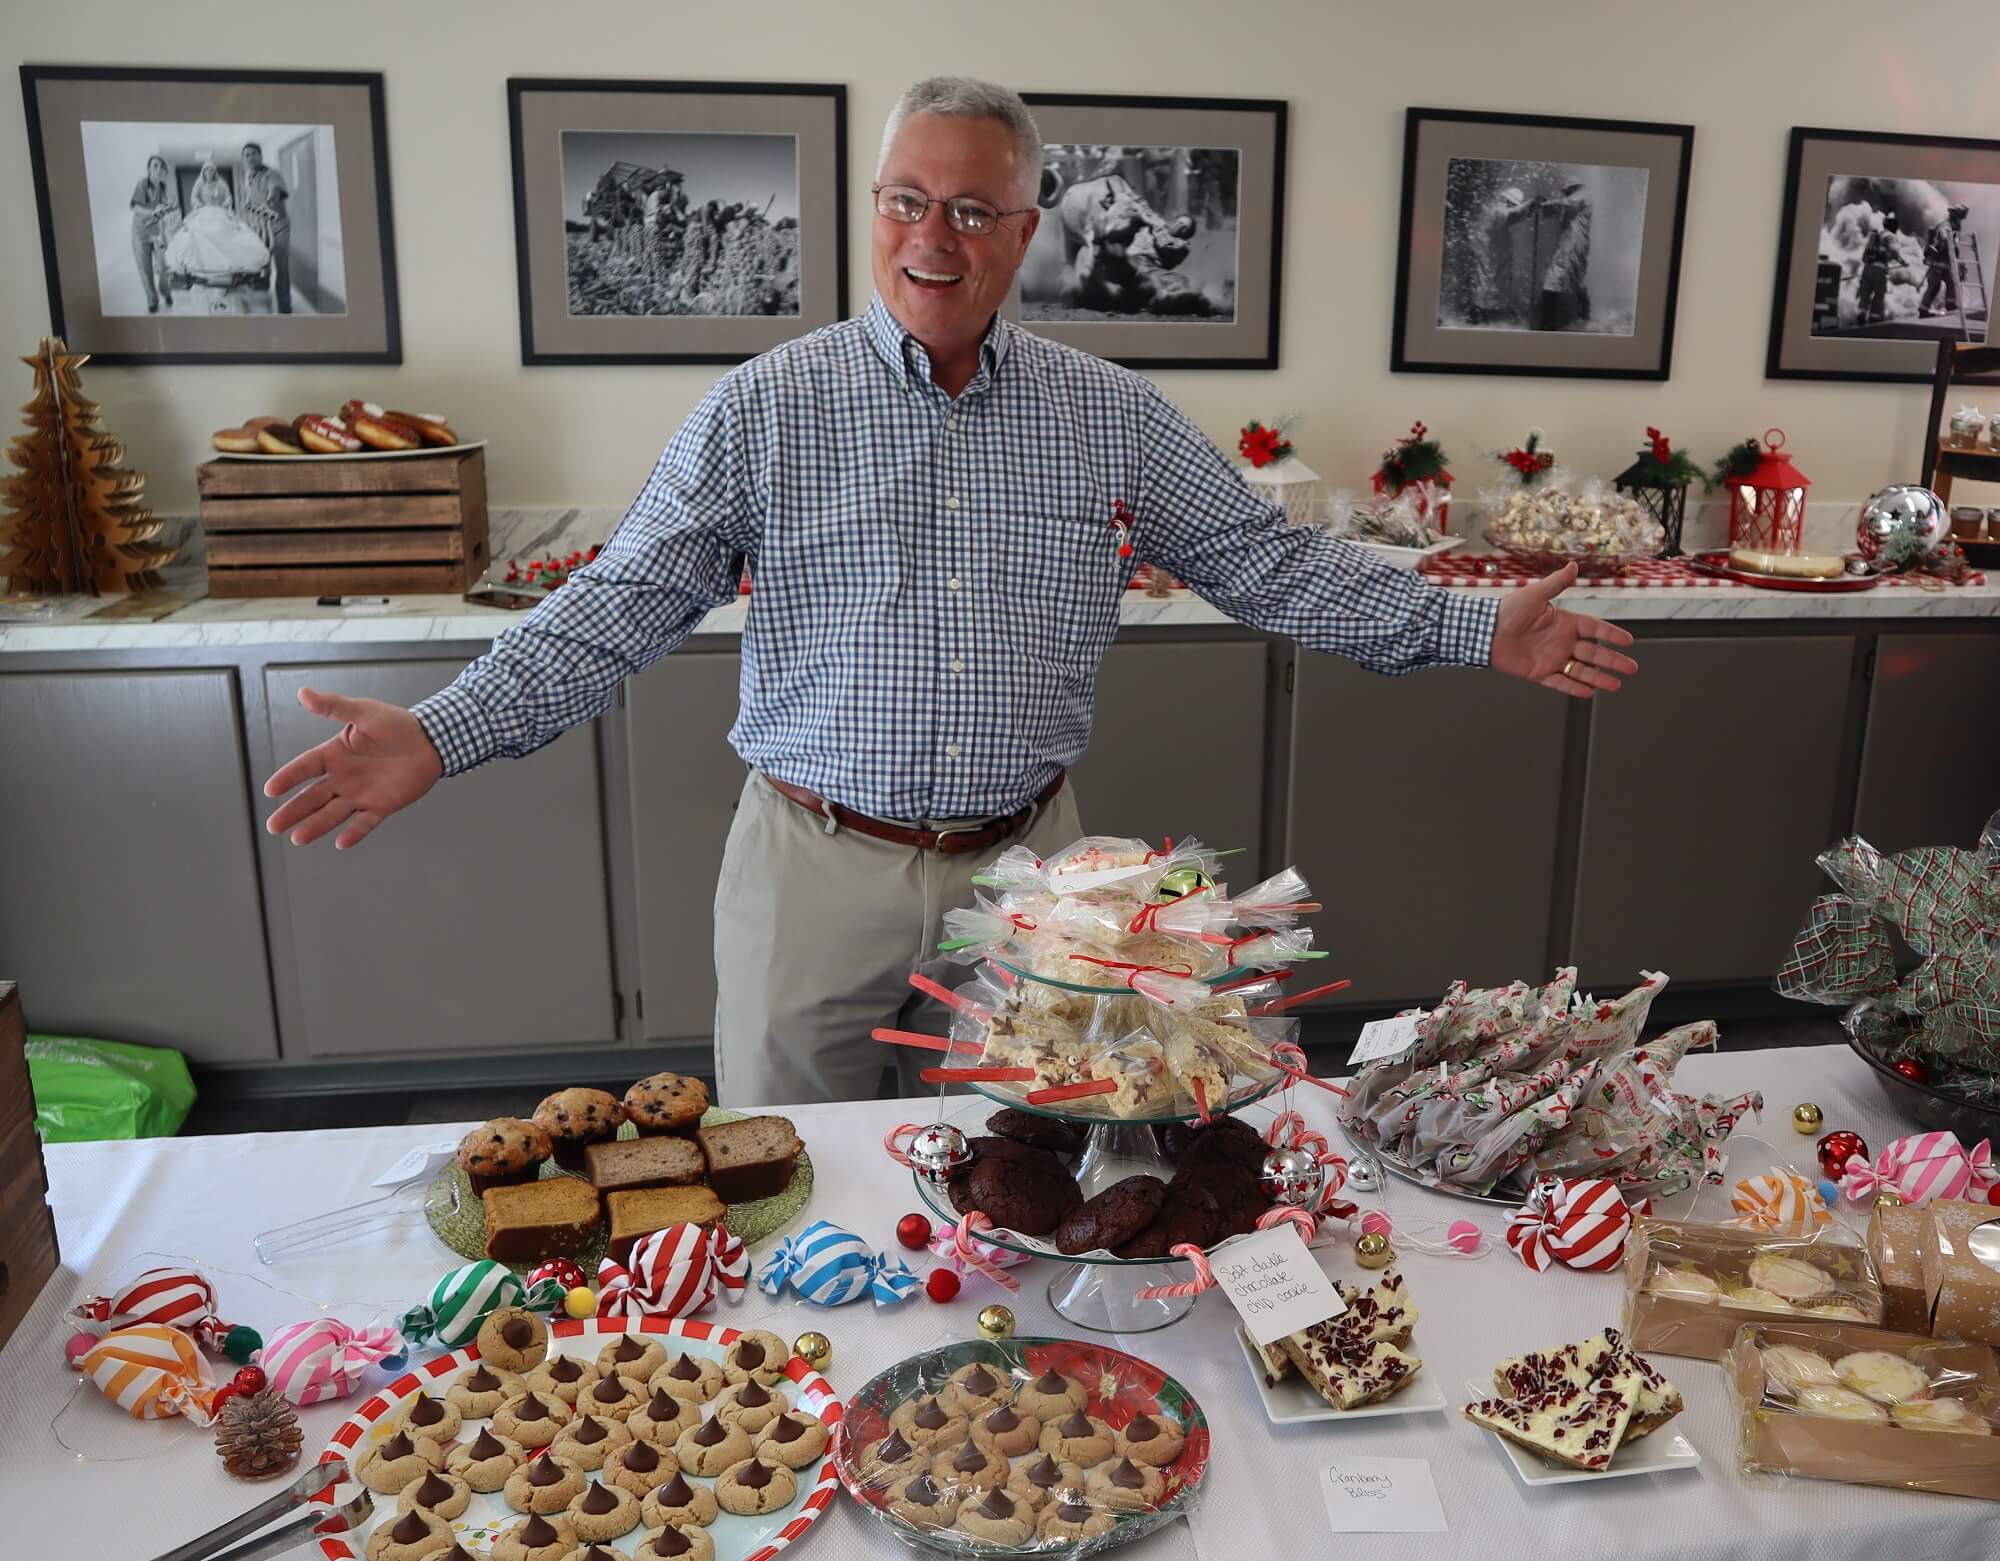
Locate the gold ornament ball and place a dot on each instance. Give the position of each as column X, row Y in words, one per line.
column 1806, row 1117
column 580, row 1302
column 815, row 1349
column 1373, row 1250
column 996, row 1322
column 1888, row 1198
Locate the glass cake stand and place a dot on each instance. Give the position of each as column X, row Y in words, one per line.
column 1097, row 1291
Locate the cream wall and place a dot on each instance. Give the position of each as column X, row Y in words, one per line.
column 1742, row 73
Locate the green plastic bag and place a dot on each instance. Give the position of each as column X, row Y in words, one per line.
column 106, row 1089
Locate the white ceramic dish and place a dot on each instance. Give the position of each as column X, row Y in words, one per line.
column 1661, row 1453
column 1405, row 557
column 1293, row 1402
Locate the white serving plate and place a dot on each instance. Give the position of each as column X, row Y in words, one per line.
column 1661, row 1453
column 1293, row 1402
column 1404, row 557
column 359, row 455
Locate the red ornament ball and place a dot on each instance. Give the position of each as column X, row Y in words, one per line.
column 913, row 1230
column 249, row 1381
column 1836, row 1149
column 942, row 1284
column 1913, row 1069
column 564, row 1271
column 1993, row 1193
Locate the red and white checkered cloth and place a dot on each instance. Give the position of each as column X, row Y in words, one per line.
column 1457, row 568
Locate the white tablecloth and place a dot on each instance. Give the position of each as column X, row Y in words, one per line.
column 125, row 1206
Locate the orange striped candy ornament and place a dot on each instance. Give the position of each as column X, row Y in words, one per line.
column 1780, row 1202
column 152, row 1372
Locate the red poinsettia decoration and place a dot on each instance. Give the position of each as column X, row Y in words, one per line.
column 1120, row 1386
column 550, row 572
column 1261, row 446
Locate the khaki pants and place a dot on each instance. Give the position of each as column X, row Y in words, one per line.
column 815, row 938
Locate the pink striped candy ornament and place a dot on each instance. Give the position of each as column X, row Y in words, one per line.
column 152, row 1371
column 673, row 1273
column 312, row 1362
column 1925, row 1166
column 1779, row 1202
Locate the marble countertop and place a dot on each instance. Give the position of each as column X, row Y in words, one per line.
column 183, row 616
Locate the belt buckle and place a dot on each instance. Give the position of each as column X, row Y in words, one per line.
column 958, row 829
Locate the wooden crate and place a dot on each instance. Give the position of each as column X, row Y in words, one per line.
column 27, row 1226
column 313, row 526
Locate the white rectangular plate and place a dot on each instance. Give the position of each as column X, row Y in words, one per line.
column 1661, row 1453
column 1293, row 1402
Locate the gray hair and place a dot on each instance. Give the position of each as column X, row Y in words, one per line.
column 963, row 97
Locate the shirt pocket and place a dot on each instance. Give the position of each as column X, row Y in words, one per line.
column 1061, row 578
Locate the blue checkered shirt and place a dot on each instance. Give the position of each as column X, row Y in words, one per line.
column 935, row 580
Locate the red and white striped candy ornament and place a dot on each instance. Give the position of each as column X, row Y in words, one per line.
column 1581, row 1222
column 674, row 1273
column 174, row 1298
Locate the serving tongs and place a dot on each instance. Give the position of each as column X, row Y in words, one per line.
column 321, row 1521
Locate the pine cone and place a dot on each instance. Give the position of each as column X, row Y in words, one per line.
column 257, row 1435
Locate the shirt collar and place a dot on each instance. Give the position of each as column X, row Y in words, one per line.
column 904, row 353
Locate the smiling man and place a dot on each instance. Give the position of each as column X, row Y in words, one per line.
column 924, row 496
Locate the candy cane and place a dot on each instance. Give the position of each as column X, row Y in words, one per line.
column 1289, row 1060
column 1204, row 1277
column 962, row 1240
column 889, row 1142
column 1308, row 1226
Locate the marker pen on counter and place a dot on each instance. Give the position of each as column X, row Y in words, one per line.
column 353, row 601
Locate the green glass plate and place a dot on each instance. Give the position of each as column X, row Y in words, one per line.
column 1120, row 1385
column 459, row 1219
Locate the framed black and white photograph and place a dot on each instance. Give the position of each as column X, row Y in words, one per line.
column 676, row 222
column 1161, row 237
column 1539, row 245
column 214, row 216
column 1889, row 246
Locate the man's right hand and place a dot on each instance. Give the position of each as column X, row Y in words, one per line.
column 379, row 762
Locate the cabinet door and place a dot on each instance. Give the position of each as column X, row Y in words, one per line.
column 685, row 782
column 476, row 921
column 1424, row 814
column 1712, row 784
column 129, row 907
column 1177, row 746
column 1930, row 765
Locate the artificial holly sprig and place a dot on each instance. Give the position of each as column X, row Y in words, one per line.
column 1262, row 445
column 1529, row 461
column 1738, row 463
column 1662, row 466
column 1416, row 457
column 549, row 572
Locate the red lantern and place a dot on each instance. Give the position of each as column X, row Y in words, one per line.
column 1767, row 509
column 1836, row 1149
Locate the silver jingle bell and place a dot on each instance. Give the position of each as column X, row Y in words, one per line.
column 1362, row 1175
column 1902, row 524
column 1292, row 1176
column 939, row 1152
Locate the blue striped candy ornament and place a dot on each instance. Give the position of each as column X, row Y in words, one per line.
column 467, row 1296
column 829, row 1266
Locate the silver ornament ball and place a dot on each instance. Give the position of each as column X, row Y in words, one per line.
column 1906, row 521
column 939, row 1152
column 1362, row 1175
column 1292, row 1176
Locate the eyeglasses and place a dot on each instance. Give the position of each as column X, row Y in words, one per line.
column 901, row 203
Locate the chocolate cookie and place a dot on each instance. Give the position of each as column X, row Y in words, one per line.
column 1189, row 1217
column 1113, row 1217
column 1042, row 1132
column 575, row 1119
column 666, row 1103
column 1238, row 1193
column 1229, row 1139
column 502, row 1152
column 1023, row 1195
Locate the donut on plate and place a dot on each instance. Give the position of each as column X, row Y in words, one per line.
column 325, row 435
column 383, row 432
column 278, row 439
column 235, row 441
column 431, row 425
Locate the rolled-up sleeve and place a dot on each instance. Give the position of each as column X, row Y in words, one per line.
column 1201, row 521
column 675, row 557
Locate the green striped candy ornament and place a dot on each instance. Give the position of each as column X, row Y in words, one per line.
column 467, row 1296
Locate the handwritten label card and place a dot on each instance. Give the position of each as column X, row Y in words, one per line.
column 1382, row 1496
column 1275, row 1284
column 1385, row 1038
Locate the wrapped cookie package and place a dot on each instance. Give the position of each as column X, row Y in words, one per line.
column 1867, row 1406
column 1025, row 1447
column 1894, row 1230
column 1688, row 1288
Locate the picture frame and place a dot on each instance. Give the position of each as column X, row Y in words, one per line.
column 1161, row 241
column 676, row 221
column 1536, row 244
column 1888, row 244
column 215, row 216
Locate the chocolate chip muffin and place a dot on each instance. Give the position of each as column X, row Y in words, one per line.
column 1113, row 1217
column 666, row 1103
column 1042, row 1132
column 503, row 1153
column 575, row 1119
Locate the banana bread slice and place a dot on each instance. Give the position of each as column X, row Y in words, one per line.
column 750, row 1159
column 644, row 1162
column 640, row 1212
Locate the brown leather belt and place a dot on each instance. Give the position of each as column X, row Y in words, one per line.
column 946, row 842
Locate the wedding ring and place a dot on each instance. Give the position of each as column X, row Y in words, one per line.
column 1569, row 670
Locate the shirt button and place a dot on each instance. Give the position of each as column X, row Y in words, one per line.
column 951, row 751
column 953, row 582
column 958, row 666
column 952, row 502
column 950, row 423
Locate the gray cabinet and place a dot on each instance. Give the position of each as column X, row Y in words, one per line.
column 1424, row 814
column 129, row 908
column 1177, row 746
column 1713, row 781
column 1930, row 768
column 478, row 921
column 685, row 779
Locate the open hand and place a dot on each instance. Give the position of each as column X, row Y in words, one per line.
column 1566, row 651
column 379, row 762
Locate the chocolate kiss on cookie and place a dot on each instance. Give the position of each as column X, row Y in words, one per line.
column 711, row 1433
column 599, row 1499
column 675, row 1493
column 641, row 1458
column 411, row 1528
column 482, row 1381
column 785, row 1429
column 1078, row 1424
column 971, row 1458
column 669, row 1542
column 486, row 1445
column 430, row 1491
column 930, row 1415
column 996, row 1504
column 686, row 1369
column 752, row 1395
column 538, row 1532
column 398, row 1446
column 563, row 1369
column 1045, row 1473
column 923, row 1491
column 589, row 1431
column 546, row 1471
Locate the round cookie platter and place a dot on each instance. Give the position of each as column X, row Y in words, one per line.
column 458, row 1218
column 1119, row 1387
column 735, row 1537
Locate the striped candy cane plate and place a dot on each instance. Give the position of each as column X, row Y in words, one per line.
column 736, row 1538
